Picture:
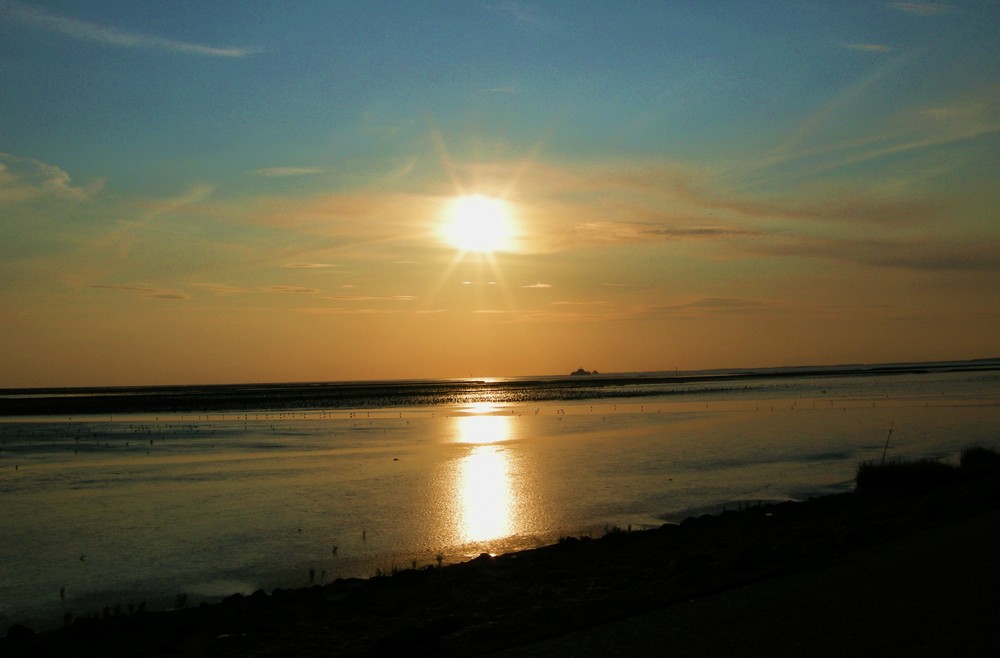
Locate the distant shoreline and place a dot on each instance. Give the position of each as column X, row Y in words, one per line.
column 240, row 398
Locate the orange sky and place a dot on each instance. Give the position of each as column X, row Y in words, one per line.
column 687, row 188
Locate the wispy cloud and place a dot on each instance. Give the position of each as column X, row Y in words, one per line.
column 910, row 130
column 22, row 179
column 226, row 289
column 136, row 224
column 928, row 256
column 369, row 298
column 310, row 266
column 192, row 195
column 519, row 11
column 222, row 288
column 699, row 307
column 702, row 307
column 845, row 97
column 286, row 172
column 110, row 36
column 955, row 112
column 333, row 310
column 536, row 285
column 576, row 311
column 643, row 232
column 868, row 47
column 714, row 306
column 291, row 289
column 152, row 293
column 359, row 214
column 920, row 8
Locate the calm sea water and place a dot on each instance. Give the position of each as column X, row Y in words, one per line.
column 117, row 509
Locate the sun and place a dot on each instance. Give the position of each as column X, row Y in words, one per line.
column 478, row 223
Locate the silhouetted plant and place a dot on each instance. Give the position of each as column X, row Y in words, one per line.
column 885, row 449
column 903, row 474
column 978, row 461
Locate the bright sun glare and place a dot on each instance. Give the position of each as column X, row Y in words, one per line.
column 478, row 223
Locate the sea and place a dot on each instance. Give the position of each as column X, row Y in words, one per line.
column 117, row 499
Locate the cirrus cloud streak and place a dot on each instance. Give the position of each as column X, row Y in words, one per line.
column 110, row 36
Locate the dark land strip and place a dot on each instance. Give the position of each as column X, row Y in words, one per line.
column 276, row 397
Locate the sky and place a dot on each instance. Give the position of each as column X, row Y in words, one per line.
column 251, row 191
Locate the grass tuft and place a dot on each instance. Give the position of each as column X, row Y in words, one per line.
column 976, row 462
column 903, row 474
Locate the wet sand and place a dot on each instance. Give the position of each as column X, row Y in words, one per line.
column 911, row 572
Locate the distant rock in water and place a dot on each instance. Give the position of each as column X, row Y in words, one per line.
column 580, row 371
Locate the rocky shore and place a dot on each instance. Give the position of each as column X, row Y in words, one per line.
column 534, row 598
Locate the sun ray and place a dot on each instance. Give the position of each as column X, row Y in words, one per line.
column 492, row 197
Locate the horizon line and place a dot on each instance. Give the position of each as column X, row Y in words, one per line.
column 736, row 370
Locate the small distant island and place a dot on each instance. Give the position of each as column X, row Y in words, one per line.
column 580, row 372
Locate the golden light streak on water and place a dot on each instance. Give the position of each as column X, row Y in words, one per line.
column 482, row 430
column 484, row 489
column 486, row 495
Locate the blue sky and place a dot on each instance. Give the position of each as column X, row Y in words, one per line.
column 238, row 191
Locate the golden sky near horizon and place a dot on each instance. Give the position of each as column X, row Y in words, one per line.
column 236, row 194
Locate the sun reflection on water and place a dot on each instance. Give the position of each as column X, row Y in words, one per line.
column 486, row 498
column 481, row 429
column 484, row 490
